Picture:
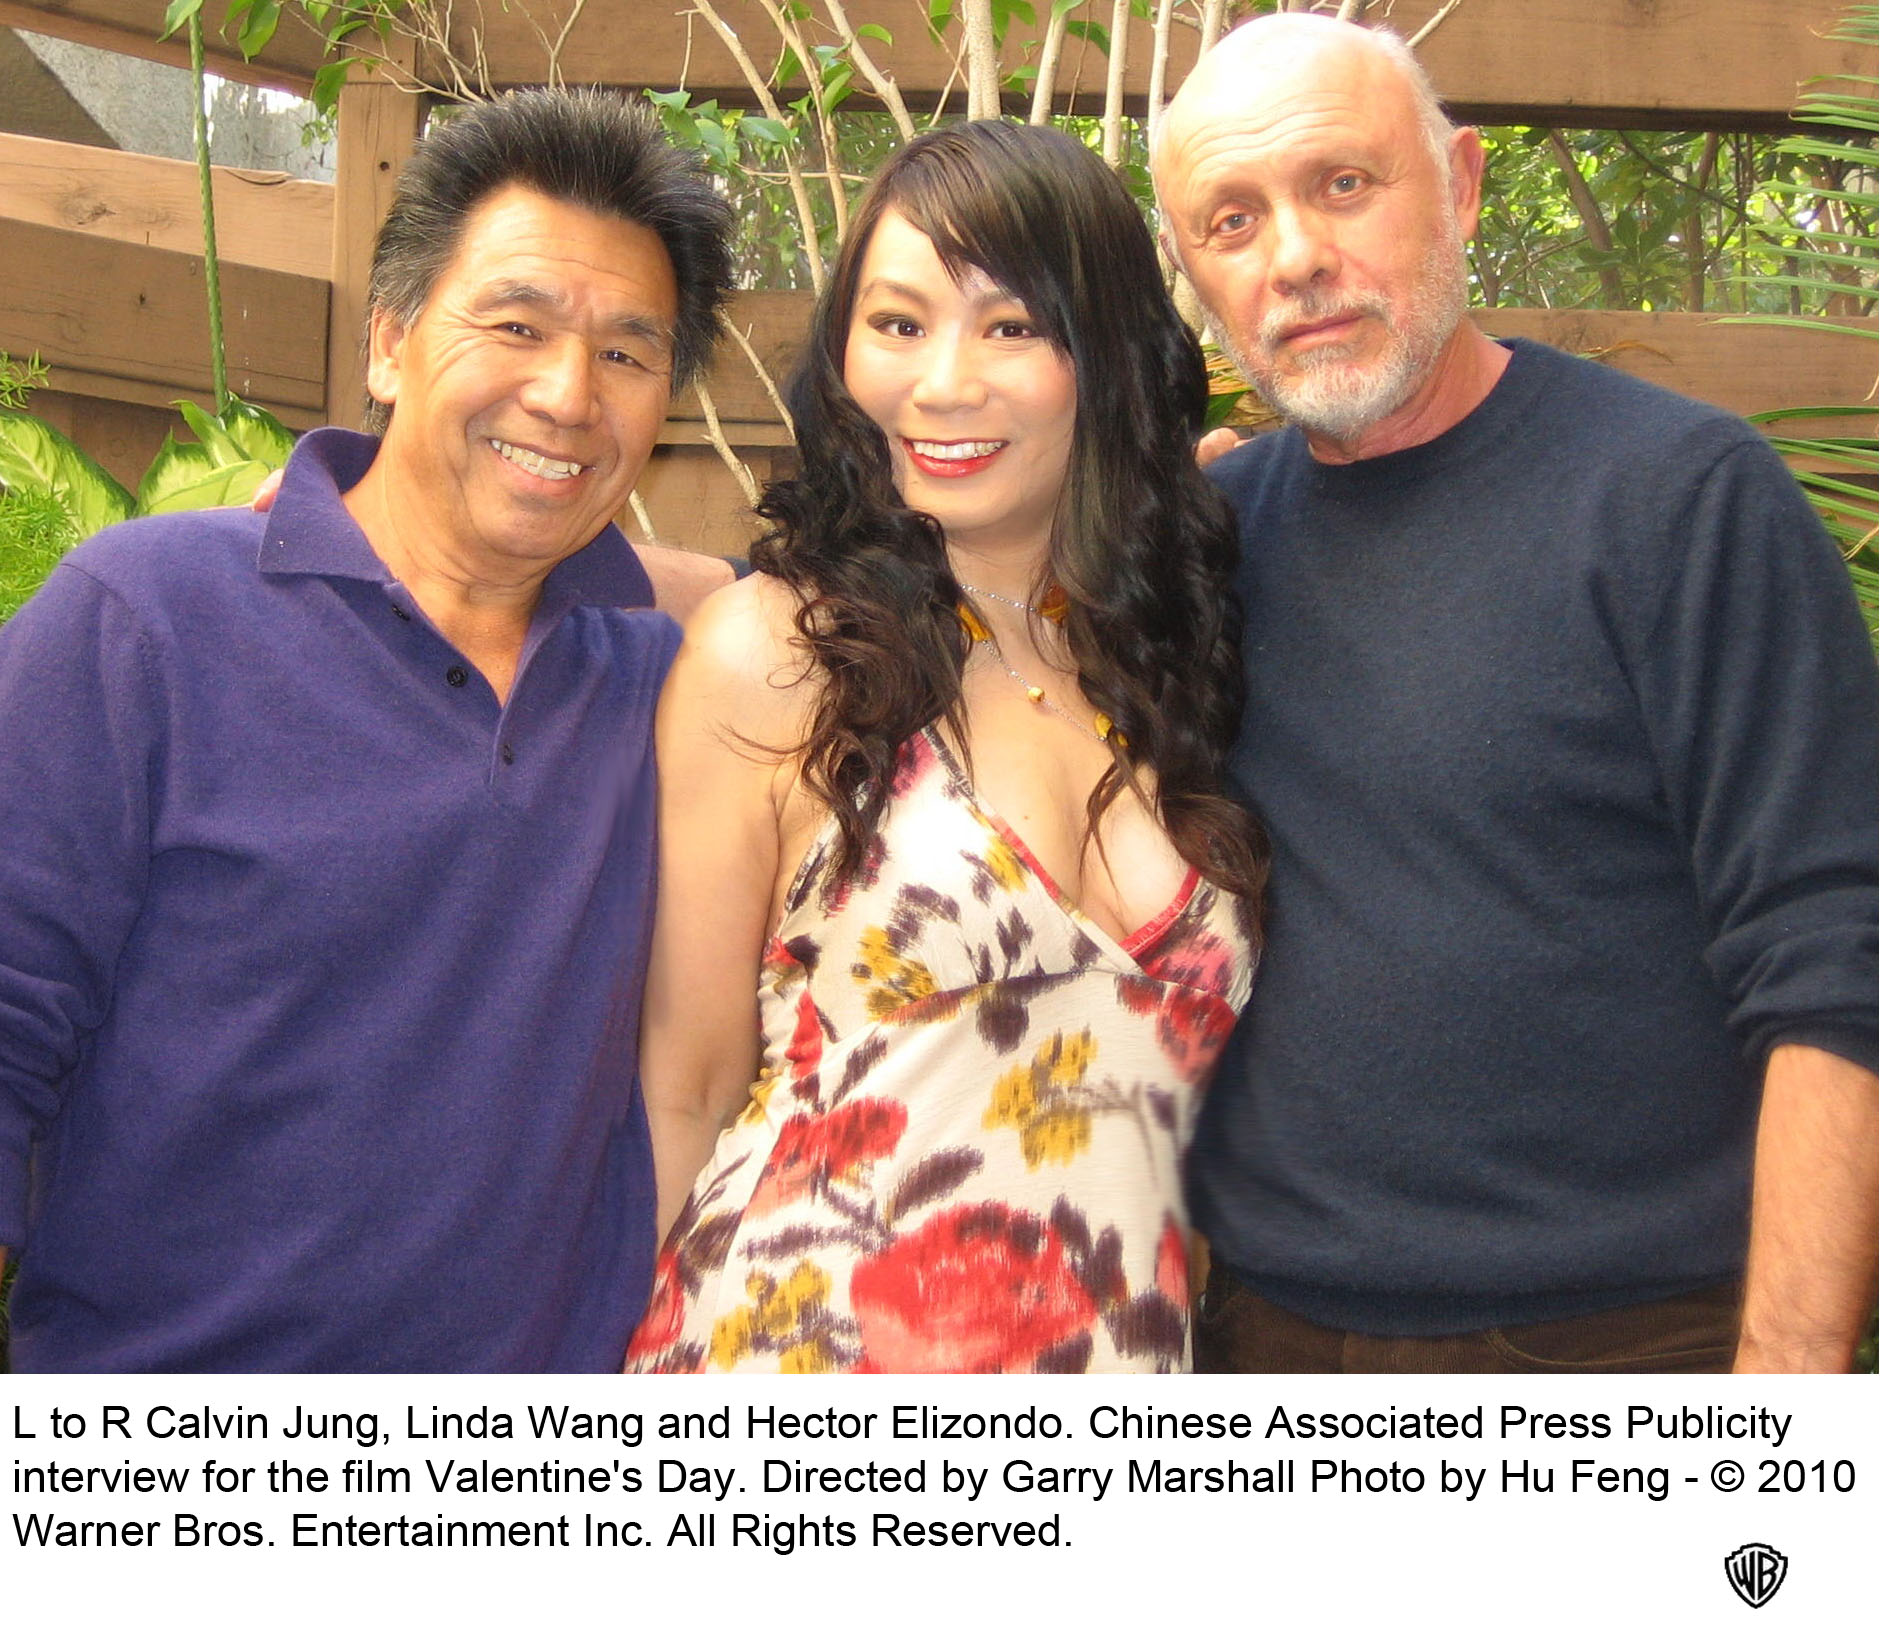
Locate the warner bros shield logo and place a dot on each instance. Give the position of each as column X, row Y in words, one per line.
column 1755, row 1572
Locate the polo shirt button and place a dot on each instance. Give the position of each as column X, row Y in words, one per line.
column 509, row 756
column 401, row 613
column 456, row 676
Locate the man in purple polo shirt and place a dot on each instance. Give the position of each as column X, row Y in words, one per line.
column 329, row 832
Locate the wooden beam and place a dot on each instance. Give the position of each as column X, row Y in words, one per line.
column 695, row 501
column 378, row 129
column 1675, row 64
column 129, row 322
column 1746, row 369
column 1691, row 64
column 1599, row 63
column 132, row 27
column 671, row 46
column 265, row 219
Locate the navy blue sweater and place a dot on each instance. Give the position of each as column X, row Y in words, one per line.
column 1563, row 726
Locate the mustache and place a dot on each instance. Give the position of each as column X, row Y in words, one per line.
column 1317, row 304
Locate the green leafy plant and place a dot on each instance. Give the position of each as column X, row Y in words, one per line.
column 53, row 494
column 1833, row 204
column 18, row 379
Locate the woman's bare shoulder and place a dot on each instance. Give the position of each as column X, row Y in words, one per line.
column 744, row 656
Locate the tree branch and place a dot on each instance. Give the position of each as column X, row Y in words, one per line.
column 1113, row 83
column 1044, row 88
column 982, row 60
column 1611, row 288
column 799, row 193
column 1213, row 15
column 726, row 452
column 1435, row 23
column 884, row 87
column 825, row 126
column 1158, row 66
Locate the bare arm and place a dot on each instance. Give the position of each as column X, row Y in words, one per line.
column 732, row 692
column 1810, row 1284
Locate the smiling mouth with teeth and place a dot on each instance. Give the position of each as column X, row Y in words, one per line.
column 954, row 450
column 538, row 464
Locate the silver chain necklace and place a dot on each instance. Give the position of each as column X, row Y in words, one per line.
column 1100, row 732
column 995, row 596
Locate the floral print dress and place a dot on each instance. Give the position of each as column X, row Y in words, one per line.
column 963, row 1152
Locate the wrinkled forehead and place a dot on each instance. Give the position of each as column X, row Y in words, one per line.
column 1290, row 99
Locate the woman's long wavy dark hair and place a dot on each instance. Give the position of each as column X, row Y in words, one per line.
column 1143, row 547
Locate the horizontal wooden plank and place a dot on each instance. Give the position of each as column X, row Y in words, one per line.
column 136, row 317
column 1746, row 369
column 1679, row 63
column 139, row 393
column 265, row 219
column 695, row 502
column 1587, row 62
column 774, row 322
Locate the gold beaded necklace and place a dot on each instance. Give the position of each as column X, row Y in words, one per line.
column 1054, row 607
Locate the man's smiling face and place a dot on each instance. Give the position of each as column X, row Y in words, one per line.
column 528, row 392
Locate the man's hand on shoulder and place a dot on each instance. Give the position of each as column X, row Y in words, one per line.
column 1217, row 444
column 681, row 579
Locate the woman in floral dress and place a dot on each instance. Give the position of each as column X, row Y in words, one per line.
column 944, row 780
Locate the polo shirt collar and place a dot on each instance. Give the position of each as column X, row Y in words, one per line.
column 310, row 531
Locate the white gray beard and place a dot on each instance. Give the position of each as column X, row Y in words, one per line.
column 1329, row 394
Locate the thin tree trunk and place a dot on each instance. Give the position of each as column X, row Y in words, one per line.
column 884, row 87
column 1044, row 88
column 1113, row 84
column 1213, row 17
column 799, row 193
column 1158, row 66
column 1611, row 288
column 982, row 60
column 1696, row 248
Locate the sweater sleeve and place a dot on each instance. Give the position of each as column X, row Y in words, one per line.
column 1757, row 684
column 79, row 722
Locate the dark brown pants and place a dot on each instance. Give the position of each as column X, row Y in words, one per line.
column 1236, row 1330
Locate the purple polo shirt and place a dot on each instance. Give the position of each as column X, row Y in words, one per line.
column 319, row 969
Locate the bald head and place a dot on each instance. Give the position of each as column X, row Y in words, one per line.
column 1287, row 45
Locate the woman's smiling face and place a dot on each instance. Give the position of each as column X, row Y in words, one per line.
column 977, row 405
